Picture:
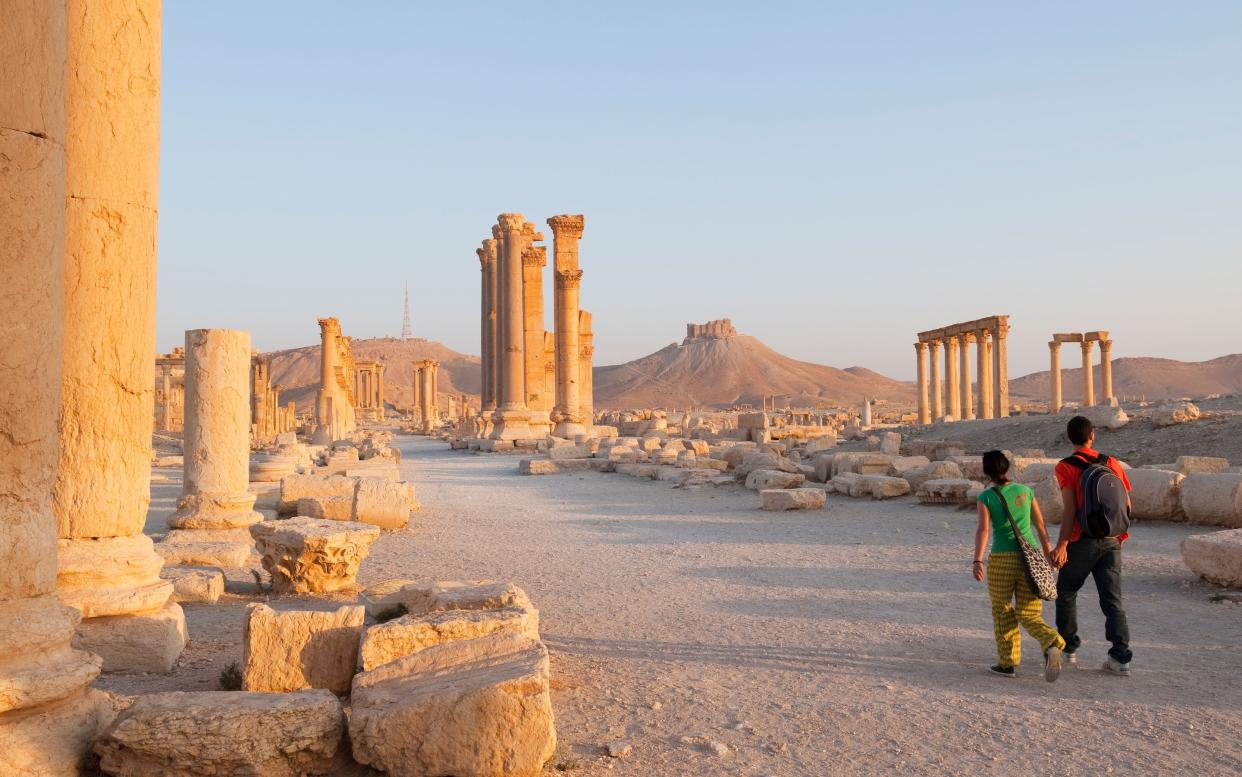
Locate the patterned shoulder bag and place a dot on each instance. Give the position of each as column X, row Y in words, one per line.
column 1039, row 575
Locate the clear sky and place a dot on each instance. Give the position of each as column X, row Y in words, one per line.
column 832, row 176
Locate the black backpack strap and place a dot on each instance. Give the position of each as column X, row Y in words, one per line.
column 1076, row 461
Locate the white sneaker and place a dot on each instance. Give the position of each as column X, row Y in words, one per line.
column 1071, row 659
column 1113, row 666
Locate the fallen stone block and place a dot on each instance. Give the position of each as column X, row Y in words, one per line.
column 138, row 642
column 561, row 453
column 195, row 584
column 900, row 465
column 383, row 503
column 952, row 491
column 228, row 548
column 890, row 443
column 311, row 555
column 271, row 467
column 971, row 466
column 1105, row 416
column 1173, row 414
column 290, row 650
column 384, row 597
column 400, row 637
column 329, row 508
column 295, row 487
column 1156, row 494
column 212, row 734
column 1200, row 465
column 885, row 487
column 935, row 470
column 861, row 463
column 537, row 467
column 779, row 499
column 54, row 739
column 936, row 450
column 755, row 460
column 762, row 479
column 1216, row 557
column 461, row 595
column 168, row 462
column 1034, row 472
column 850, row 484
column 471, row 707
column 1213, row 499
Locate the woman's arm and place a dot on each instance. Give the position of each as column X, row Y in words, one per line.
column 981, row 540
column 1037, row 518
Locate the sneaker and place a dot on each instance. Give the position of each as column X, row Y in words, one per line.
column 1052, row 663
column 1113, row 666
column 1003, row 671
column 1070, row 658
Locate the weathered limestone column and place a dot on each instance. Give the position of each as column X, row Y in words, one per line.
column 1106, row 372
column 512, row 417
column 865, row 420
column 496, row 247
column 417, row 385
column 586, row 376
column 1054, row 375
column 968, row 399
column 48, row 715
column 1000, row 369
column 920, row 355
column 937, row 404
column 566, row 232
column 216, row 506
column 952, row 388
column 108, row 569
column 379, row 389
column 1088, row 379
column 487, row 319
column 329, row 356
column 426, row 394
column 985, row 373
column 534, row 259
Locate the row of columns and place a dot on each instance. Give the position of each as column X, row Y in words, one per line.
column 267, row 417
column 954, row 396
column 170, row 391
column 1087, row 343
column 369, row 389
column 532, row 384
column 79, row 581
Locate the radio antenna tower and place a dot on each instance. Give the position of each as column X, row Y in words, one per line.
column 407, row 331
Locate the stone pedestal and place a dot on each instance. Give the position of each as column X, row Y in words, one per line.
column 215, row 499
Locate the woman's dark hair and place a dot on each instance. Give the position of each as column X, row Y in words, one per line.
column 996, row 466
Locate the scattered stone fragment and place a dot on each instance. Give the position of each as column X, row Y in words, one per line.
column 1213, row 499
column 403, row 636
column 296, row 649
column 1173, row 414
column 1216, row 557
column 779, row 499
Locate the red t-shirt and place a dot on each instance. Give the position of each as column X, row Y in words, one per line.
column 1069, row 476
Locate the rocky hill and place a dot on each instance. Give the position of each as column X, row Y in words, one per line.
column 714, row 366
column 297, row 370
column 1140, row 377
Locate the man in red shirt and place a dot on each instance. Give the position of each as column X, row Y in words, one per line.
column 1079, row 557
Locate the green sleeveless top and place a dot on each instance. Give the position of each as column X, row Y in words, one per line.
column 1019, row 498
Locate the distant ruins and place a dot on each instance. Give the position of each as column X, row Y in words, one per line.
column 1086, row 341
column 170, row 390
column 369, row 389
column 712, row 330
column 535, row 383
column 990, row 336
column 334, row 408
column 267, row 417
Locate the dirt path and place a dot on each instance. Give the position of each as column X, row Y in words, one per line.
column 718, row 639
column 838, row 642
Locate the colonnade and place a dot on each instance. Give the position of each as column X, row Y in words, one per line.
column 533, row 382
column 953, row 396
column 1086, row 341
column 267, row 417
column 369, row 389
column 170, row 391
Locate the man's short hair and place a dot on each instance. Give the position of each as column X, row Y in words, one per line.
column 1079, row 430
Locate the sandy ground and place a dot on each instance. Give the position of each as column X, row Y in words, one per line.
column 714, row 638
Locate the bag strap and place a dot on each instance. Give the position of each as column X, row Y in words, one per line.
column 1082, row 461
column 1005, row 506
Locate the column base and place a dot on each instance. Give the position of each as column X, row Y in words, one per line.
column 54, row 740
column 38, row 665
column 568, row 430
column 144, row 642
column 511, row 423
column 229, row 548
column 110, row 575
column 540, row 423
column 215, row 511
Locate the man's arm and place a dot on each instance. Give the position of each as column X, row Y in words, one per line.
column 1069, row 506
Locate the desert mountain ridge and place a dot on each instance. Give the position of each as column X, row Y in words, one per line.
column 1141, row 377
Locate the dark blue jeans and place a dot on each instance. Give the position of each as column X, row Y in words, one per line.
column 1100, row 559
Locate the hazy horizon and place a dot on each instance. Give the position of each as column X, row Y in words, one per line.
column 834, row 180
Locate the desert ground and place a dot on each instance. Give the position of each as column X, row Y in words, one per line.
column 708, row 637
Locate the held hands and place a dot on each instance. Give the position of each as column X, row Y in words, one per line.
column 1057, row 556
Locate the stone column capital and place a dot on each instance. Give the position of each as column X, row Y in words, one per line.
column 950, row 341
column 534, row 256
column 934, row 344
column 1086, row 346
column 509, row 223
column 1054, row 346
column 327, row 325
column 1001, row 331
column 920, row 347
column 568, row 279
column 567, row 226
column 983, row 335
column 1106, row 346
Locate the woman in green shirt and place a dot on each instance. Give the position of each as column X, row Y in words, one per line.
column 1005, row 572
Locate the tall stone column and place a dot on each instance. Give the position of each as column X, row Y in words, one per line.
column 534, row 259
column 586, row 375
column 426, row 395
column 487, row 319
column 937, row 404
column 1054, row 376
column 494, row 321
column 984, row 347
column 329, row 357
column 108, row 569
column 379, row 390
column 1088, row 379
column 968, row 399
column 512, row 417
column 566, row 232
column 418, row 387
column 920, row 365
column 48, row 715
column 1106, row 372
column 209, row 526
column 1000, row 369
column 953, row 390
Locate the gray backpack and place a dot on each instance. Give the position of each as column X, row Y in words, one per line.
column 1105, row 510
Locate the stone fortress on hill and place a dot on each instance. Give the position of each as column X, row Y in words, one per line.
column 712, row 330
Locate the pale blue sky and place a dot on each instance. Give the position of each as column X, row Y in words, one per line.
column 833, row 176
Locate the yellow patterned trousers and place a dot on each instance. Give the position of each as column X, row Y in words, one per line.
column 1007, row 582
